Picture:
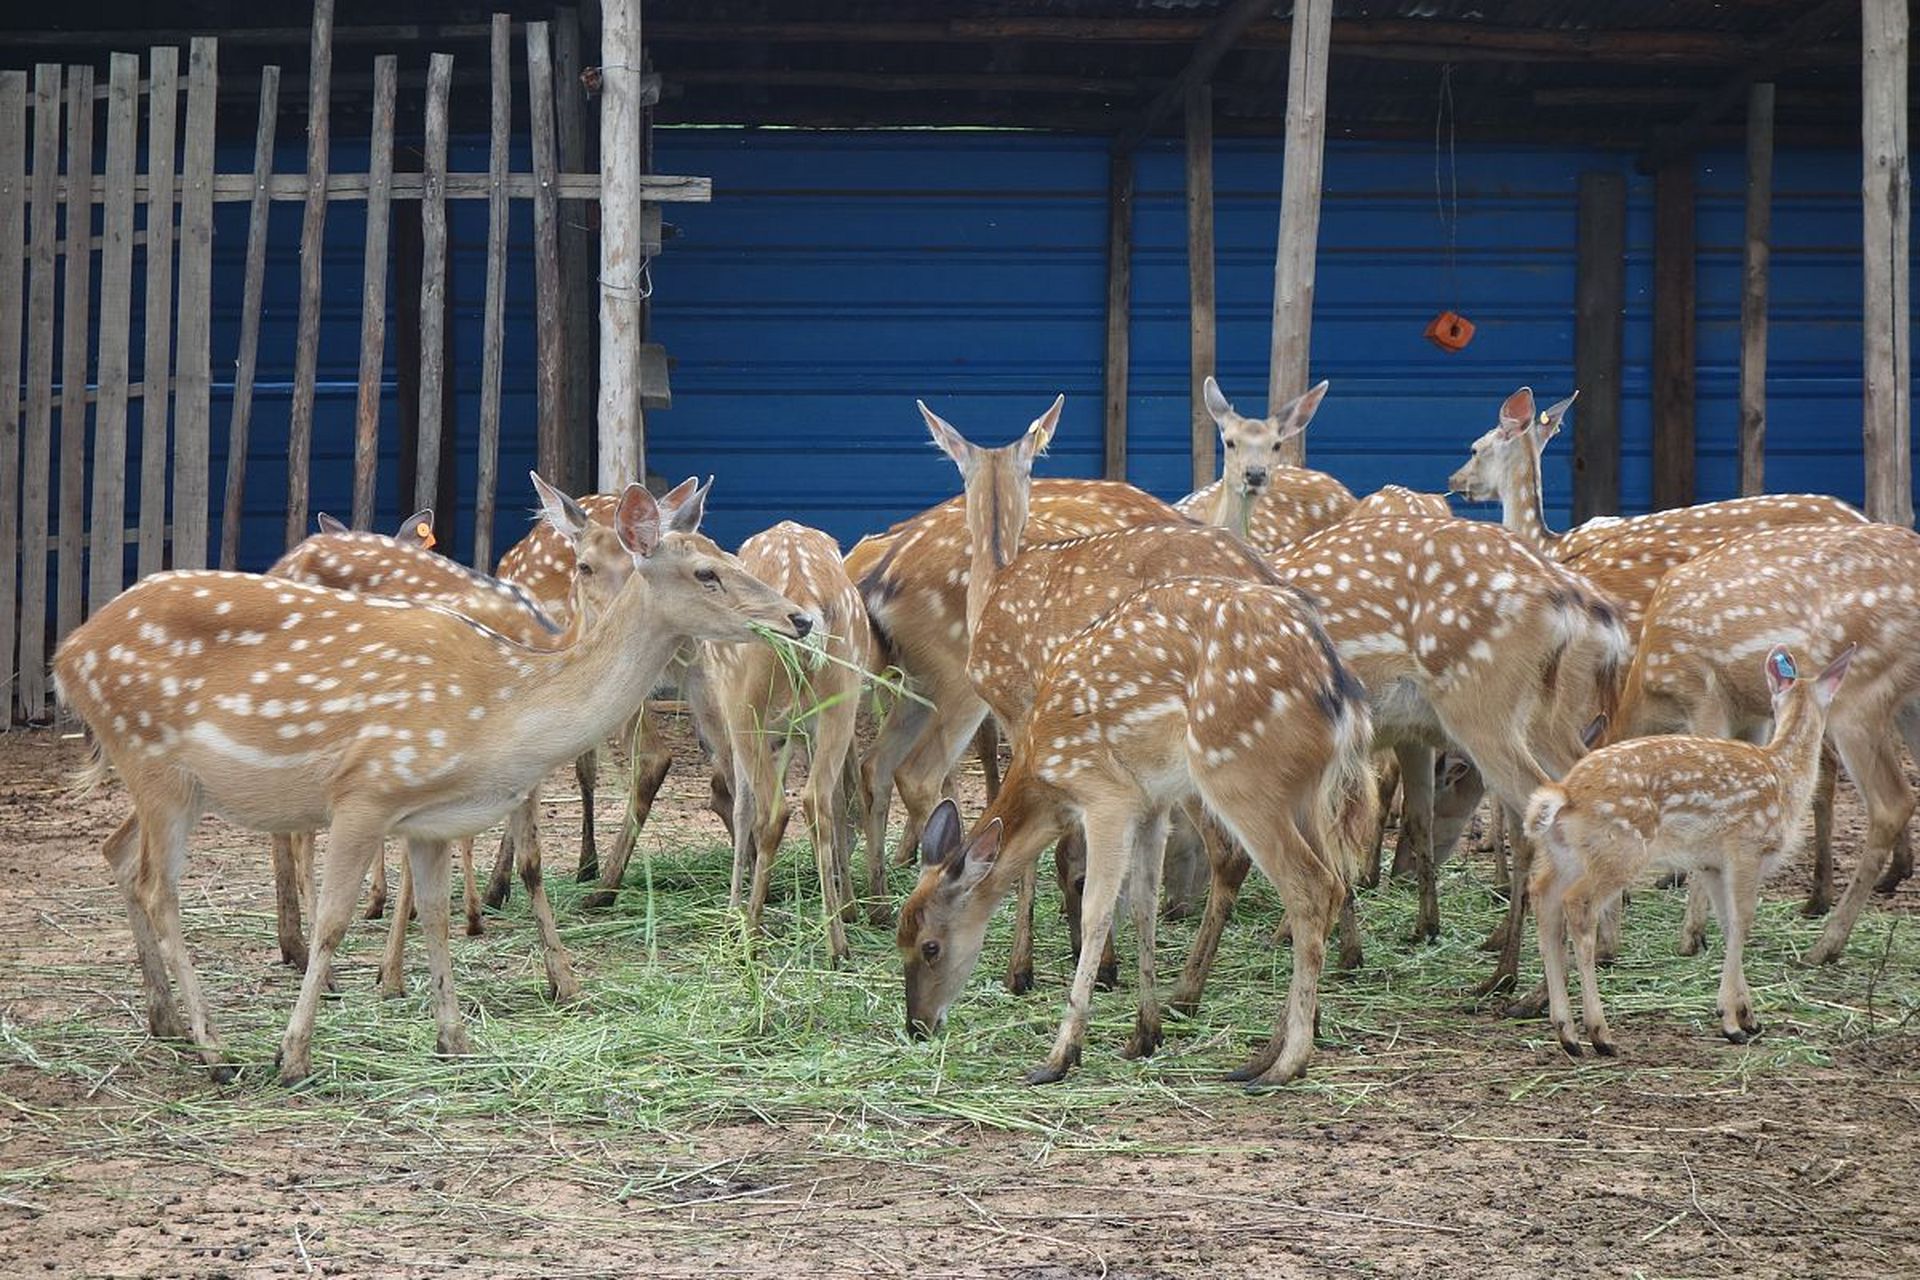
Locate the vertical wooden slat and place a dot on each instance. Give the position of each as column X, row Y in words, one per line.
column 193, row 356
column 233, row 507
column 312, row 235
column 1293, row 266
column 74, row 337
column 107, row 567
column 1887, row 190
column 579, row 255
column 1753, row 293
column 493, row 318
column 1599, row 318
column 13, row 194
column 433, row 281
column 549, row 323
column 37, row 470
column 1119, row 294
column 156, row 369
column 1202, row 335
column 1673, row 338
column 622, row 442
column 406, row 350
column 373, row 293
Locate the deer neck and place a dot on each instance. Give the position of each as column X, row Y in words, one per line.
column 1520, row 503
column 575, row 696
column 1033, row 818
column 1795, row 745
column 1232, row 508
column 996, row 508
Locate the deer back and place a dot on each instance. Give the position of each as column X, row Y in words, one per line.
column 1398, row 500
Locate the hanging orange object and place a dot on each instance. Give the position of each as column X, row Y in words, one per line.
column 424, row 532
column 1450, row 331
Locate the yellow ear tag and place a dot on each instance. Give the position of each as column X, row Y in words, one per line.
column 425, row 532
column 1544, row 419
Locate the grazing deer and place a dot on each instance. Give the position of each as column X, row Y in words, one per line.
column 1265, row 501
column 1729, row 813
column 286, row 707
column 1250, row 712
column 763, row 705
column 1816, row 588
column 1024, row 600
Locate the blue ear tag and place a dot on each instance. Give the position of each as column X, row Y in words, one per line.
column 1783, row 667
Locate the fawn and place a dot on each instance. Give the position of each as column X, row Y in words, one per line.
column 1727, row 812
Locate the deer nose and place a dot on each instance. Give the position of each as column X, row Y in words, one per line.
column 1256, row 477
column 802, row 624
column 917, row 1030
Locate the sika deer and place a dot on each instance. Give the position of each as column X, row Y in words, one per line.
column 285, row 707
column 763, row 708
column 1250, row 712
column 1729, row 813
column 1268, row 503
column 1398, row 500
column 1817, row 588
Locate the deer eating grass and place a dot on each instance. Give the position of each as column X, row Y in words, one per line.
column 1268, row 503
column 1250, row 712
column 1728, row 813
column 286, row 707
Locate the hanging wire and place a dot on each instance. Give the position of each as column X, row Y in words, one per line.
column 1446, row 202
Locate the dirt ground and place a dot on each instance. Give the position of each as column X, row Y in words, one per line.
column 1475, row 1149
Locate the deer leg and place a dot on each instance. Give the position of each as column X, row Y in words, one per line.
column 1229, row 865
column 1148, row 850
column 1550, row 923
column 353, row 842
column 1899, row 867
column 1389, row 780
column 1110, row 832
column 124, row 858
column 431, row 877
column 1019, row 979
column 1416, row 825
column 586, row 775
column 1734, row 1004
column 922, row 779
column 1314, row 895
column 500, row 882
column 471, row 893
column 986, row 745
column 1497, row 839
column 1693, row 925
column 1820, row 897
column 833, row 738
column 648, row 765
column 562, row 986
column 1506, row 970
column 1581, row 906
column 899, row 733
column 1875, row 769
column 377, row 896
column 164, row 834
column 286, row 902
column 392, row 977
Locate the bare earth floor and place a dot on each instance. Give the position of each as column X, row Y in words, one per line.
column 703, row 1112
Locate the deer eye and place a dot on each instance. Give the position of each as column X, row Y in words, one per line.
column 1230, row 444
column 707, row 576
column 583, row 570
column 931, row 950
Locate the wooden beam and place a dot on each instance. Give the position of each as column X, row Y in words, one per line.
column 107, row 565
column 579, row 254
column 75, row 335
column 1202, row 334
column 549, row 323
column 313, row 226
column 433, row 291
column 157, row 362
column 239, row 424
column 1213, row 46
column 1599, row 321
column 1293, row 264
column 232, row 187
column 1753, row 292
column 36, row 477
column 494, row 309
column 918, row 82
column 193, row 355
column 623, row 453
column 373, row 293
column 1673, row 335
column 1119, row 317
column 13, row 239
column 1887, row 187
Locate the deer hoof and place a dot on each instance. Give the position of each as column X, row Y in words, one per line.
column 1816, row 906
column 588, row 870
column 1605, row 1047
column 1531, row 1005
column 1570, row 1046
column 475, row 926
column 376, row 907
column 1499, row 980
column 1019, row 981
column 599, row 900
column 454, row 1043
column 223, row 1073
column 1143, row 1042
column 1107, row 977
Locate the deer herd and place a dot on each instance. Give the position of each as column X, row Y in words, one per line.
column 1241, row 679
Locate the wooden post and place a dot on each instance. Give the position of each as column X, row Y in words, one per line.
column 373, row 291
column 1119, row 292
column 623, row 447
column 37, row 470
column 487, row 474
column 107, row 565
column 74, row 336
column 1753, row 293
column 1600, row 303
column 549, row 322
column 13, row 249
column 193, row 359
column 1201, row 331
column 1293, row 264
column 313, row 228
column 579, row 255
column 156, row 369
column 433, row 282
column 232, row 509
column 1886, row 187
column 1673, row 360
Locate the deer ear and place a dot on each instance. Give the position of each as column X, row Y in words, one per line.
column 1452, row 771
column 1827, row 683
column 560, row 511
column 982, row 850
column 951, row 442
column 940, row 840
column 1298, row 412
column 679, row 493
column 637, row 521
column 1516, row 413
column 1217, row 406
column 328, row 524
column 417, row 529
column 1596, row 730
column 1040, row 431
column 685, row 514
column 1547, row 425
column 1781, row 672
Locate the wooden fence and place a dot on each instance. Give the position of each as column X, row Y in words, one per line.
column 55, row 545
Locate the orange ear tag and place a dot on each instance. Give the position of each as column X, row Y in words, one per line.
column 425, row 532
column 1449, row 331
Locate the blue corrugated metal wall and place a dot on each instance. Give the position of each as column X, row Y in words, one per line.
column 836, row 277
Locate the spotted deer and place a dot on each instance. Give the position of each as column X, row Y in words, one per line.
column 1728, row 813
column 765, row 705
column 1817, row 589
column 286, row 707
column 1267, row 502
column 1025, row 599
column 1398, row 500
column 1250, row 712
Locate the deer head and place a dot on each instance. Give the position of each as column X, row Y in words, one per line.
column 1786, row 689
column 1507, row 458
column 415, row 531
column 705, row 591
column 998, row 481
column 1252, row 445
column 943, row 923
